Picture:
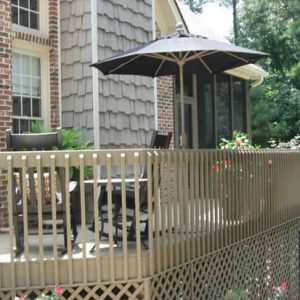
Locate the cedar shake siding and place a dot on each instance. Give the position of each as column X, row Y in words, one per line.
column 126, row 103
column 76, row 73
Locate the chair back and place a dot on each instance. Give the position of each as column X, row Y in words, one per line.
column 158, row 141
column 31, row 142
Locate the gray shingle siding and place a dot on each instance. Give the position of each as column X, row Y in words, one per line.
column 126, row 103
column 76, row 74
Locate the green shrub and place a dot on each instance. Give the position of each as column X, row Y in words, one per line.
column 240, row 140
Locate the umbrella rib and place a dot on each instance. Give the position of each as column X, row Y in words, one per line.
column 174, row 56
column 185, row 56
column 201, row 54
column 124, row 64
column 159, row 67
column 159, row 56
column 205, row 65
column 237, row 57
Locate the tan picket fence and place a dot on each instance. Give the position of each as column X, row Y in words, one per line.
column 199, row 209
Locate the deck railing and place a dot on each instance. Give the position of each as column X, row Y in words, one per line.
column 198, row 201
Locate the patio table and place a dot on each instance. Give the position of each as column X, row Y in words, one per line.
column 116, row 184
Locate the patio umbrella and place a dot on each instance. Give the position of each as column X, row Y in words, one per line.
column 178, row 54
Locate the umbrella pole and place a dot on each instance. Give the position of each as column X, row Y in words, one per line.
column 183, row 135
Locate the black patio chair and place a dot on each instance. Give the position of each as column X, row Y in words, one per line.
column 30, row 142
column 158, row 141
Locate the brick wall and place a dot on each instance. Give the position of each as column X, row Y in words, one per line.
column 165, row 106
column 5, row 93
column 54, row 63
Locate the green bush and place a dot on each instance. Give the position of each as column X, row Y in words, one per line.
column 239, row 140
column 70, row 141
column 293, row 143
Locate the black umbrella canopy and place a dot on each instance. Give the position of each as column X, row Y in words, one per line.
column 162, row 57
column 179, row 54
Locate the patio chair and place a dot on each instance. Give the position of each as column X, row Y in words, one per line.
column 158, row 141
column 30, row 142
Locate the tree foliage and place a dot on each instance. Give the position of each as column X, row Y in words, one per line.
column 195, row 5
column 274, row 27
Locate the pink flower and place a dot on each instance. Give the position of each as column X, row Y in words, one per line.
column 270, row 161
column 274, row 288
column 59, row 291
column 238, row 142
column 283, row 284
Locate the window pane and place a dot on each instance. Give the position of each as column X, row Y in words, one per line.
column 16, row 63
column 26, row 85
column 206, row 136
column 34, row 20
column 24, row 16
column 25, row 64
column 24, row 3
column 36, row 107
column 188, row 120
column 34, row 5
column 14, row 2
column 14, row 15
column 16, row 128
column 26, row 107
column 24, row 126
column 187, row 86
column 36, row 83
column 35, row 66
column 223, row 107
column 17, row 106
column 239, row 105
column 16, row 79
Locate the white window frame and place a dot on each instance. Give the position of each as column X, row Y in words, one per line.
column 192, row 101
column 41, row 52
column 43, row 30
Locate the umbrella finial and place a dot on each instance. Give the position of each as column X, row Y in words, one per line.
column 179, row 28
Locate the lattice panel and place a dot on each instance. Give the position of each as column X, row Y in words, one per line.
column 252, row 266
column 293, row 284
column 129, row 291
column 5, row 295
column 249, row 267
column 213, row 275
column 278, row 257
column 173, row 285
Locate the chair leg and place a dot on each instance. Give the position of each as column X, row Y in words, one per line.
column 19, row 235
column 94, row 247
column 73, row 219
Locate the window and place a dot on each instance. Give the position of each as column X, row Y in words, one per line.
column 26, row 13
column 214, row 107
column 239, row 105
column 26, row 78
column 206, row 122
column 223, row 102
column 190, row 111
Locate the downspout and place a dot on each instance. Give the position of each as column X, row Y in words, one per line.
column 59, row 66
column 257, row 82
column 155, row 80
column 95, row 75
